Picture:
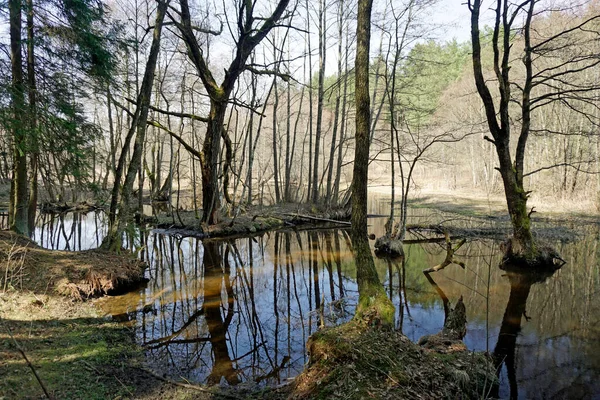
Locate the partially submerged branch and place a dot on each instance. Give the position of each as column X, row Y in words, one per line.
column 450, row 251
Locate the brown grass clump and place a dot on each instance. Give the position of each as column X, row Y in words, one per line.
column 78, row 275
column 354, row 361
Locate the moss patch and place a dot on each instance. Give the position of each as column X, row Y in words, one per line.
column 353, row 361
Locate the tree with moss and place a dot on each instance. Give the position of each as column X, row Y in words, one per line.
column 523, row 90
column 373, row 304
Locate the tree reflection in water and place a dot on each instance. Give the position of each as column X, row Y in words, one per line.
column 237, row 311
column 267, row 297
column 216, row 267
column 73, row 231
column 521, row 282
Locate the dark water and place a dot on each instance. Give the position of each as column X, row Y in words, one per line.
column 242, row 310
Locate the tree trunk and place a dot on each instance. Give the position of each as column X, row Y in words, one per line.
column 34, row 157
column 275, row 140
column 138, row 125
column 211, row 149
column 361, row 147
column 19, row 190
column 374, row 306
column 522, row 245
column 340, row 153
column 337, row 106
column 320, row 99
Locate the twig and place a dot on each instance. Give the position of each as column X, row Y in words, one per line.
column 189, row 386
column 26, row 359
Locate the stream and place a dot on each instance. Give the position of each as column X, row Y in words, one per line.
column 241, row 310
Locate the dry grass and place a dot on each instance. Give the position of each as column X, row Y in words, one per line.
column 79, row 275
column 353, row 361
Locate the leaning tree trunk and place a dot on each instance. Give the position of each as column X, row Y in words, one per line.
column 113, row 240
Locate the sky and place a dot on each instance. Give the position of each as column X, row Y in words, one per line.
column 455, row 14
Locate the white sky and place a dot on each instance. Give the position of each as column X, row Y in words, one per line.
column 456, row 15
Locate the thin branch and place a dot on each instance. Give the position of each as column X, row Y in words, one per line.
column 7, row 328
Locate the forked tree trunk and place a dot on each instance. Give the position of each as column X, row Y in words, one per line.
column 499, row 122
column 249, row 37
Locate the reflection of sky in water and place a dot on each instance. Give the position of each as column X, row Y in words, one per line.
column 273, row 310
column 71, row 231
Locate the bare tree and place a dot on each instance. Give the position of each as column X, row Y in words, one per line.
column 138, row 126
column 252, row 29
column 501, row 116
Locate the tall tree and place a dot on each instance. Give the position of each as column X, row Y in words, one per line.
column 314, row 196
column 252, row 29
column 360, row 175
column 66, row 41
column 139, row 121
column 373, row 303
column 535, row 88
column 18, row 207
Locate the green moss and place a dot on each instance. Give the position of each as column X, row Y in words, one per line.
column 355, row 361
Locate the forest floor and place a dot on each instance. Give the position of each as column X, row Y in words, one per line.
column 49, row 325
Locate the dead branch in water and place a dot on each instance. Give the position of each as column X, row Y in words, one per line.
column 449, row 255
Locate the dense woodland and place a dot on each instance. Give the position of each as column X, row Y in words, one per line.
column 219, row 106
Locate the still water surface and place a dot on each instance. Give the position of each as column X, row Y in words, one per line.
column 241, row 310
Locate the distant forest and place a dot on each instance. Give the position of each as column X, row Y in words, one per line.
column 217, row 106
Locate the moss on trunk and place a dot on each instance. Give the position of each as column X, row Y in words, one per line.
column 374, row 307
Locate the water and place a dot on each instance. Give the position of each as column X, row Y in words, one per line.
column 242, row 310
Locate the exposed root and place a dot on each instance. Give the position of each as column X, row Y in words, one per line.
column 109, row 276
column 541, row 257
